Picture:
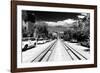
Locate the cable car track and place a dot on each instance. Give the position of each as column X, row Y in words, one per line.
column 74, row 52
column 68, row 53
column 45, row 55
column 40, row 57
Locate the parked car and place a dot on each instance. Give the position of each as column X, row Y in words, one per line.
column 28, row 45
column 73, row 41
column 40, row 42
column 85, row 43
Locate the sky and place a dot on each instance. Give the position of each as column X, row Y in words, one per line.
column 51, row 16
column 66, row 22
column 54, row 16
column 65, row 19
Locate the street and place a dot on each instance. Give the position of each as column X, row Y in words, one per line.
column 56, row 51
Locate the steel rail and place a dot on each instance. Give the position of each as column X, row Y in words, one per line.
column 51, row 52
column 44, row 51
column 73, row 51
column 68, row 52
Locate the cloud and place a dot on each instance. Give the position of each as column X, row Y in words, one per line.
column 60, row 23
column 81, row 16
column 67, row 22
column 51, row 23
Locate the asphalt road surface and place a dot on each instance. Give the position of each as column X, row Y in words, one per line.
column 55, row 51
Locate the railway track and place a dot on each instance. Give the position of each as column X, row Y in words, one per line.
column 74, row 54
column 45, row 54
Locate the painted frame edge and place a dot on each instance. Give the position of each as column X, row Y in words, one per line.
column 14, row 36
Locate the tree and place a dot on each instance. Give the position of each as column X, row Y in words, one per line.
column 41, row 30
column 28, row 18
